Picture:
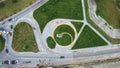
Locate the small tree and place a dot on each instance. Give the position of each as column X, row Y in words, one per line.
column 2, row 4
column 118, row 3
column 14, row 1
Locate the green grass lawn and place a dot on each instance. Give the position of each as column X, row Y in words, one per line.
column 8, row 8
column 68, row 9
column 118, row 3
column 109, row 11
column 23, row 38
column 51, row 43
column 66, row 34
column 2, row 43
column 77, row 25
column 88, row 38
column 113, row 41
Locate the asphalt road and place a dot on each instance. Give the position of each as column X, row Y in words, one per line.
column 45, row 56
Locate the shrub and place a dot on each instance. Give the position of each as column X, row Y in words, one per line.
column 2, row 4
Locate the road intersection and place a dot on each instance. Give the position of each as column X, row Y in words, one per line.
column 46, row 56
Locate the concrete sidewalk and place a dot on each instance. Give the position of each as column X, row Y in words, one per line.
column 100, row 22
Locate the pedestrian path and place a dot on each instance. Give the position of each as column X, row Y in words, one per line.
column 100, row 22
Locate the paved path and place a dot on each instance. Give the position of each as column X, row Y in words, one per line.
column 49, row 31
column 85, row 21
column 48, row 56
column 100, row 22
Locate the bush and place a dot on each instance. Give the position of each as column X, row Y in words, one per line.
column 14, row 1
column 51, row 43
column 2, row 4
column 119, row 20
column 118, row 3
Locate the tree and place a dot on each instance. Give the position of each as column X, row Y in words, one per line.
column 14, row 1
column 118, row 3
column 2, row 4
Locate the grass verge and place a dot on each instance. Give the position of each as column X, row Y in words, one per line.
column 2, row 43
column 23, row 38
column 68, row 9
column 77, row 25
column 113, row 41
column 109, row 11
column 64, row 35
column 51, row 43
column 8, row 8
column 88, row 38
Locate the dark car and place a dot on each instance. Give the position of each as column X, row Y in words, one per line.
column 10, row 19
column 6, row 50
column 7, row 62
column 14, row 62
column 62, row 57
column 10, row 33
column 11, row 26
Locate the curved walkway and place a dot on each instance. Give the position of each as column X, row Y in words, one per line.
column 51, row 57
column 49, row 30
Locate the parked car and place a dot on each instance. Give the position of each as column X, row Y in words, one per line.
column 10, row 33
column 11, row 26
column 6, row 50
column 62, row 57
column 10, row 19
column 27, row 62
column 14, row 62
column 1, row 63
column 7, row 62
